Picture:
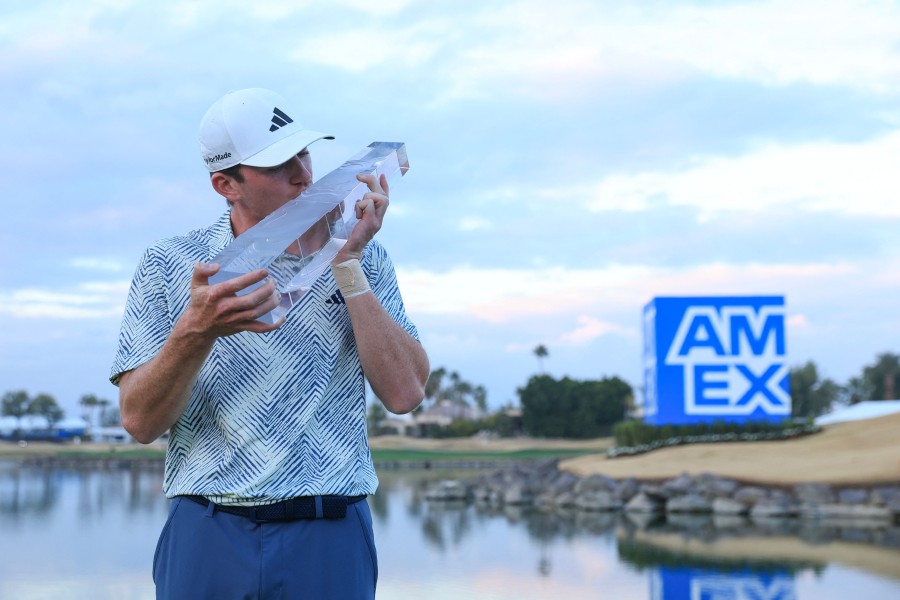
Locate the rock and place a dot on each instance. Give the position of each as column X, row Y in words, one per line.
column 885, row 495
column 643, row 503
column 769, row 508
column 681, row 485
column 689, row 503
column 596, row 483
column 628, row 489
column 894, row 507
column 716, row 487
column 854, row 512
column 656, row 492
column 564, row 482
column 545, row 501
column 565, row 500
column 727, row 506
column 517, row 494
column 814, row 493
column 750, row 495
column 447, row 489
column 853, row 496
column 597, row 500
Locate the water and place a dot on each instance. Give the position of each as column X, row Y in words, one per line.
column 90, row 534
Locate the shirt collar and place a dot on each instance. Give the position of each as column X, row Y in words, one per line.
column 220, row 234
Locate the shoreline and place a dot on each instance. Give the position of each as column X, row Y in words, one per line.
column 859, row 454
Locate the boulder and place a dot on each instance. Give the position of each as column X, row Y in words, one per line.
column 716, row 487
column 814, row 493
column 863, row 512
column 750, row 495
column 447, row 489
column 769, row 508
column 853, row 496
column 596, row 483
column 643, row 503
column 628, row 489
column 597, row 500
column 681, row 485
column 564, row 482
column 727, row 506
column 689, row 503
column 885, row 495
column 517, row 494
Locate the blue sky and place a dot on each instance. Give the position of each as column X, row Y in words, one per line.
column 570, row 161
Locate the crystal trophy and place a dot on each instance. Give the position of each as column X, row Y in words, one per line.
column 297, row 241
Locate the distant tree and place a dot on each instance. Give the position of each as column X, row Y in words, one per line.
column 479, row 394
column 883, row 378
column 104, row 404
column 434, row 385
column 89, row 403
column 568, row 408
column 811, row 397
column 375, row 417
column 45, row 405
column 15, row 404
column 442, row 385
column 541, row 352
column 111, row 417
column 857, row 390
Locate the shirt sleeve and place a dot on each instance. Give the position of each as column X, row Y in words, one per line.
column 146, row 323
column 380, row 271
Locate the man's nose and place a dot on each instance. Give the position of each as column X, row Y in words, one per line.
column 299, row 172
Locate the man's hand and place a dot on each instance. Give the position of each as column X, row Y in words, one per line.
column 370, row 211
column 218, row 310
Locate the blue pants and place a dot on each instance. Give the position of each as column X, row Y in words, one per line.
column 205, row 554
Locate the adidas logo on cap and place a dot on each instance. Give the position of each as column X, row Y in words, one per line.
column 279, row 119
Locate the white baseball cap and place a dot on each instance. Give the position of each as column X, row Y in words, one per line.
column 254, row 127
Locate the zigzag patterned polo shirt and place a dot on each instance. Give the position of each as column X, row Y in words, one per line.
column 271, row 416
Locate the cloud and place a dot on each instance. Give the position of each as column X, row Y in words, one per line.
column 92, row 300
column 858, row 178
column 564, row 51
column 513, row 295
column 589, row 328
column 797, row 321
column 359, row 49
column 475, row 224
column 855, row 44
column 97, row 264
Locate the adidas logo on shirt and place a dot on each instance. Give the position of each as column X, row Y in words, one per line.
column 279, row 119
column 336, row 298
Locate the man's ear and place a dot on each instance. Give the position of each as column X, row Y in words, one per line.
column 225, row 185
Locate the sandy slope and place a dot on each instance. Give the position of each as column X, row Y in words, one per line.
column 854, row 452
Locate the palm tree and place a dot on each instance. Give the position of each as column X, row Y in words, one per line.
column 541, row 352
column 883, row 376
column 89, row 402
column 434, row 387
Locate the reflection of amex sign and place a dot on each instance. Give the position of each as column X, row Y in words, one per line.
column 741, row 588
column 733, row 360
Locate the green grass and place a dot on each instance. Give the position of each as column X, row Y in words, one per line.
column 401, row 455
column 74, row 452
column 379, row 455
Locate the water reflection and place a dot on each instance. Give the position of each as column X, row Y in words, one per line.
column 27, row 491
column 92, row 532
column 697, row 557
column 697, row 584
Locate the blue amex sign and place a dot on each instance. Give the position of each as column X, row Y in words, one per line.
column 715, row 358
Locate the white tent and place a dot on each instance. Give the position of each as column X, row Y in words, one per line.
column 870, row 409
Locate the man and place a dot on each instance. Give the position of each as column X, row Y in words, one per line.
column 268, row 464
